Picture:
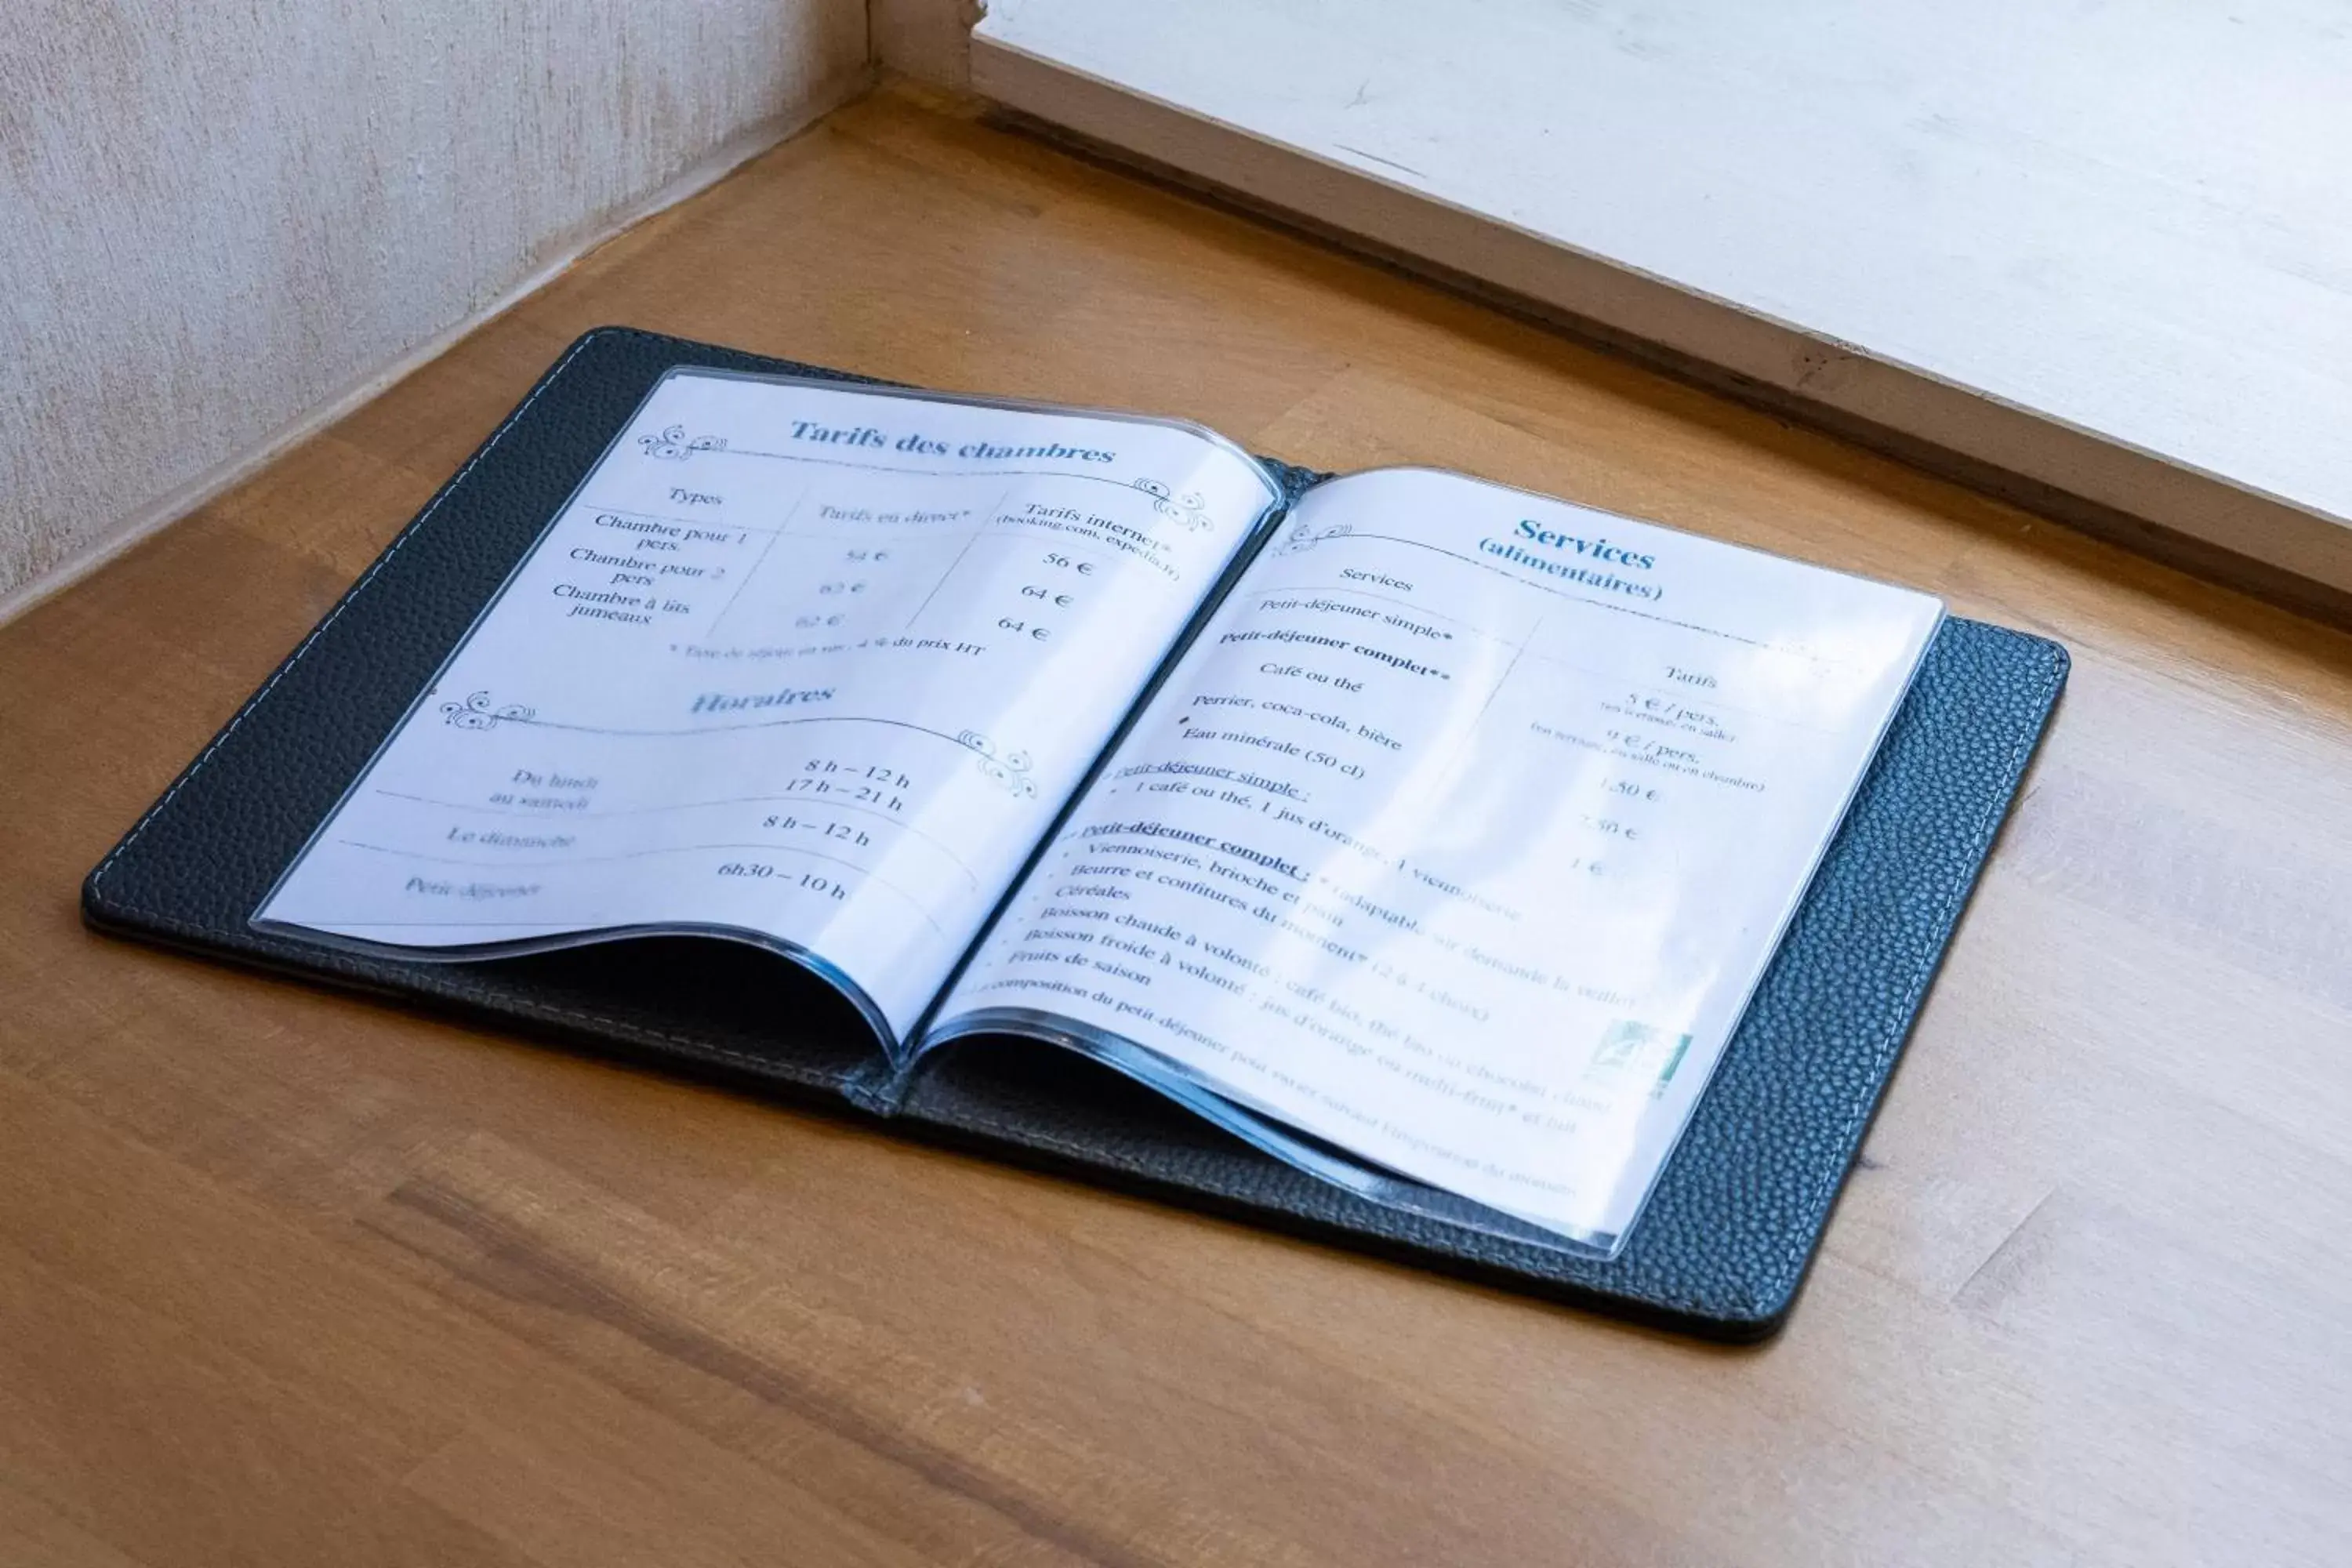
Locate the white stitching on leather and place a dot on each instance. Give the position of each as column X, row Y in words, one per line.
column 1794, row 1257
column 342, row 605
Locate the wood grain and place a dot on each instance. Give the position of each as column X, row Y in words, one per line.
column 286, row 1276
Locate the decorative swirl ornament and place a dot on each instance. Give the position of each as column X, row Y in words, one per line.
column 1191, row 509
column 1304, row 537
column 1010, row 772
column 673, row 446
column 475, row 712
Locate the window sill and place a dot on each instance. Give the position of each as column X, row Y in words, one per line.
column 1961, row 243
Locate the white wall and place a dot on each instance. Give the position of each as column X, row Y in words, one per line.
column 217, row 222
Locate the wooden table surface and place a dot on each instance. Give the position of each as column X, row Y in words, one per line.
column 290, row 1278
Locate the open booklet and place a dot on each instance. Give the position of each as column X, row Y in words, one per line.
column 1430, row 835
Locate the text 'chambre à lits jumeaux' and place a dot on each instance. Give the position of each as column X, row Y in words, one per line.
column 917, row 444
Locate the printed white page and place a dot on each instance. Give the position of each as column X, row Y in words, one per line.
column 799, row 663
column 1462, row 836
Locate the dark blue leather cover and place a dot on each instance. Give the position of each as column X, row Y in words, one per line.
column 1736, row 1217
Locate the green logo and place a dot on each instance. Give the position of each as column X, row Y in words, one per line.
column 1631, row 1053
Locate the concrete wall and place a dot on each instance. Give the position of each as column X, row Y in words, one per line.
column 219, row 221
